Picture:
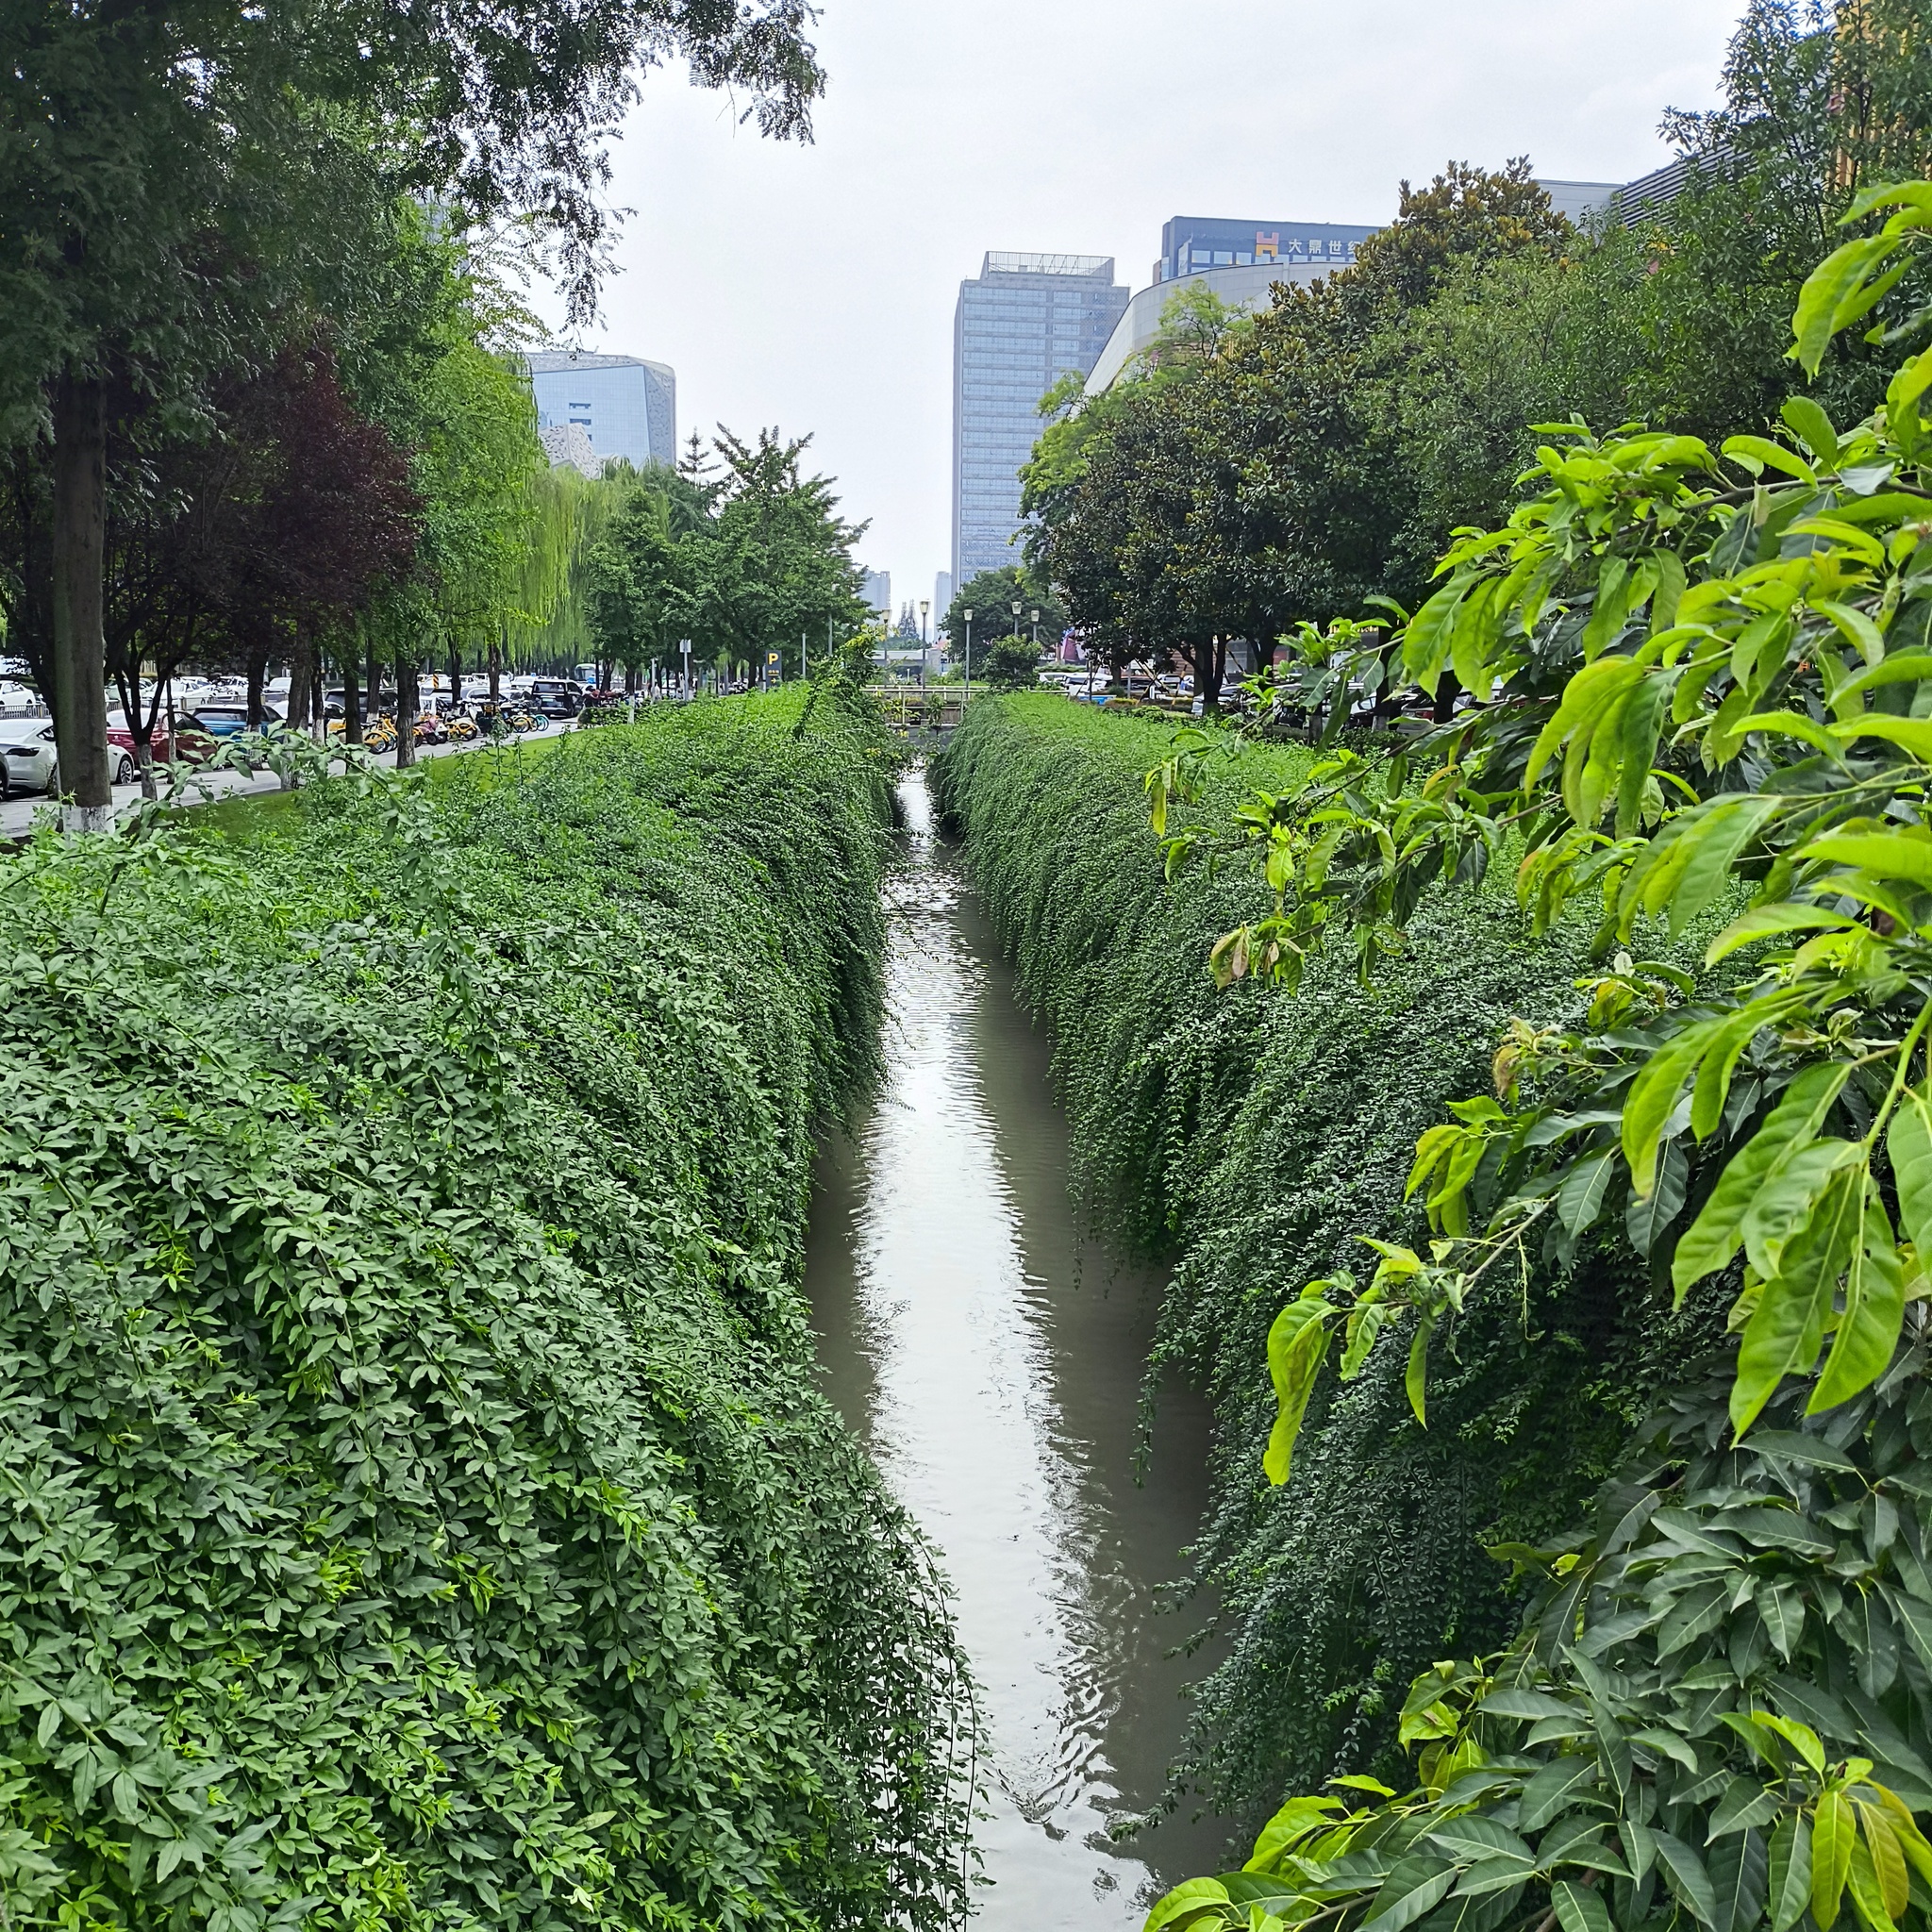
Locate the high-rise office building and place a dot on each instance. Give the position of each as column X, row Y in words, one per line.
column 877, row 589
column 626, row 406
column 942, row 595
column 1024, row 323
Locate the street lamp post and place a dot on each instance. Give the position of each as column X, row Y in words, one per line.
column 1036, row 632
column 684, row 645
column 1015, row 607
column 925, row 645
column 967, row 692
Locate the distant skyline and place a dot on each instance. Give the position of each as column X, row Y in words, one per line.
column 814, row 288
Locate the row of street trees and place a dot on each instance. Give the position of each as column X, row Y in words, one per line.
column 735, row 549
column 1301, row 464
column 254, row 257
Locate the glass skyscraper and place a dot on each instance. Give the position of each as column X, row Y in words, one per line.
column 626, row 406
column 1026, row 321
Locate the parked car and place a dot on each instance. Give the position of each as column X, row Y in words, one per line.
column 28, row 761
column 555, row 697
column 229, row 721
column 196, row 746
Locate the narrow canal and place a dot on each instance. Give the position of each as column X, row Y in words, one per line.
column 991, row 1356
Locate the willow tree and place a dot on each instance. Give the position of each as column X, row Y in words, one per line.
column 164, row 170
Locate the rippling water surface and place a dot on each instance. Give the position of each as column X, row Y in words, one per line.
column 992, row 1359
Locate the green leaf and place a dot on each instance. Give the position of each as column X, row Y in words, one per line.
column 1812, row 427
column 1833, row 285
column 1473, row 1836
column 1653, row 1093
column 1297, row 1343
column 1755, row 452
column 1832, row 1835
column 1784, row 1333
column 1783, row 1610
column 1868, row 1890
column 1901, row 854
column 1579, row 1907
column 1414, row 1886
column 1767, row 922
column 1415, row 1380
column 1738, row 1871
column 1525, row 1704
column 1184, row 1901
column 1715, row 1236
column 1873, row 1314
column 1790, row 1886
column 1912, row 735
column 1293, row 1822
column 1909, row 1145
column 1687, row 1879
column 1553, row 1788
column 1581, row 1195
column 1744, row 1804
column 1646, row 1218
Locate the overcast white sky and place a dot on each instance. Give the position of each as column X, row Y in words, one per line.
column 813, row 287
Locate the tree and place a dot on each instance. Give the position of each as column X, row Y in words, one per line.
column 990, row 596
column 1011, row 663
column 165, row 175
column 777, row 562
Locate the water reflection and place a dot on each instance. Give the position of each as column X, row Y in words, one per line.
column 991, row 1359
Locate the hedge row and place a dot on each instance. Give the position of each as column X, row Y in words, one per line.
column 416, row 1508
column 1248, row 1135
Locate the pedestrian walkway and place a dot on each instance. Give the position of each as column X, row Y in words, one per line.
column 18, row 813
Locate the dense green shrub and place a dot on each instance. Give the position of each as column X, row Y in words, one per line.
column 416, row 1504
column 1250, row 1137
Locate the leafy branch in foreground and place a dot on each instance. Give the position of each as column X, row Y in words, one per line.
column 1695, row 685
column 1713, row 1716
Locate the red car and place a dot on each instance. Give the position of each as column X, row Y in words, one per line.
column 195, row 747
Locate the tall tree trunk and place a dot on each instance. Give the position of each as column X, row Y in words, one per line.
column 456, row 675
column 496, row 644
column 352, row 698
column 407, row 699
column 301, row 679
column 257, row 676
column 317, row 704
column 372, row 658
column 1448, row 689
column 79, row 668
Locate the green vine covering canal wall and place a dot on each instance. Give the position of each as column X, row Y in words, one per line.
column 1249, row 1137
column 416, row 1504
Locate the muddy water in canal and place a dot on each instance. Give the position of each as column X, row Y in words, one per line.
column 990, row 1356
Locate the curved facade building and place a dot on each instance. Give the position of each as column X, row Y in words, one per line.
column 626, row 406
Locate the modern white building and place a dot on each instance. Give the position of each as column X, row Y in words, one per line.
column 626, row 406
column 878, row 591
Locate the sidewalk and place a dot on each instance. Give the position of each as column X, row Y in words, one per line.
column 17, row 815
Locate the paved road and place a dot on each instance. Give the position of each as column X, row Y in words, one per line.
column 18, row 813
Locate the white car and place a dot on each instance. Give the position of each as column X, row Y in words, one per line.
column 28, row 761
